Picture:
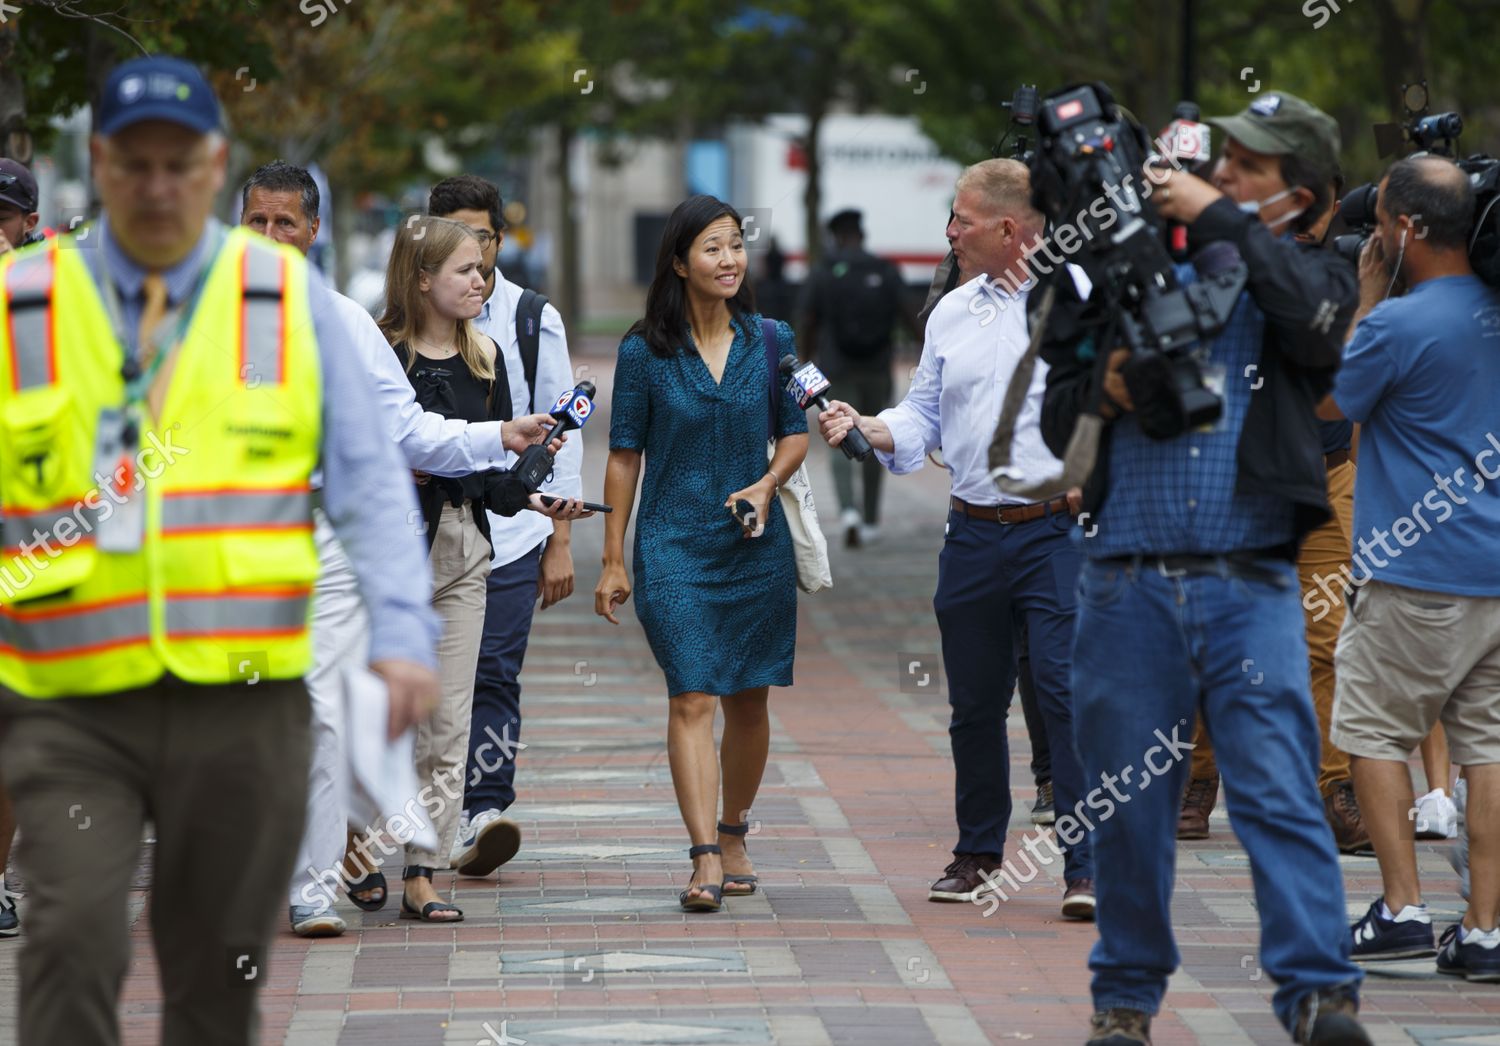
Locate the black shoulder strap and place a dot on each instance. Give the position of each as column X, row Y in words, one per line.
column 773, row 358
column 500, row 405
column 529, row 339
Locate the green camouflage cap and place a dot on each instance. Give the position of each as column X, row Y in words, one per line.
column 1278, row 123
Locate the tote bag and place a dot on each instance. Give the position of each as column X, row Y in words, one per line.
column 809, row 547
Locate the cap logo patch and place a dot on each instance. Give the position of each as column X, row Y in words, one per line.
column 1266, row 106
column 131, row 88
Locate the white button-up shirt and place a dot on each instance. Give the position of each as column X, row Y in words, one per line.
column 429, row 442
column 518, row 535
column 974, row 339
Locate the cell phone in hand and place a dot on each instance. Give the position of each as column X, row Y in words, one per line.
column 744, row 513
column 589, row 506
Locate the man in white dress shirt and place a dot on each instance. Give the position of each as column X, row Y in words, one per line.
column 532, row 555
column 281, row 201
column 1005, row 562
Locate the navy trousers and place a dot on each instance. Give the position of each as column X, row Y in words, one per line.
column 495, row 722
column 992, row 579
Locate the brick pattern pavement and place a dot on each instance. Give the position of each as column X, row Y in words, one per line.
column 581, row 942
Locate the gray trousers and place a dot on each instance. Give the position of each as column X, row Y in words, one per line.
column 868, row 391
column 221, row 771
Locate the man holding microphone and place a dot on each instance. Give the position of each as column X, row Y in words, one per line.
column 1005, row 562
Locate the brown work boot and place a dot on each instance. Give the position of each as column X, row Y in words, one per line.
column 1120, row 1027
column 1342, row 810
column 1329, row 1018
column 1197, row 803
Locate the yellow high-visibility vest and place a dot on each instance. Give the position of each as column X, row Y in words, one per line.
column 219, row 589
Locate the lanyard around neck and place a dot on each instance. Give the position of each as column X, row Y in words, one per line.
column 138, row 379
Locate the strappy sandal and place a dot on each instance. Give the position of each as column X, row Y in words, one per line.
column 369, row 881
column 708, row 898
column 752, row 881
column 413, row 871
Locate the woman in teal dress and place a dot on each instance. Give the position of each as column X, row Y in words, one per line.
column 693, row 397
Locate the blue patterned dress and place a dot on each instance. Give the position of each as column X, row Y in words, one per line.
column 719, row 610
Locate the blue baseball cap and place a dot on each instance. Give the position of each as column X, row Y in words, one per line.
column 158, row 88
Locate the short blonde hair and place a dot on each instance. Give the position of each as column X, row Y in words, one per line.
column 1004, row 184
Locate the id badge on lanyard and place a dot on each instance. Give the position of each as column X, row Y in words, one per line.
column 121, row 523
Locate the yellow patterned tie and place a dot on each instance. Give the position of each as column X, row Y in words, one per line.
column 154, row 290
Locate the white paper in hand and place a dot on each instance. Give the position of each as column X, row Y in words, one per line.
column 382, row 774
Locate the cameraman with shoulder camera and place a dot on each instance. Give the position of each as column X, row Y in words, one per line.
column 1188, row 599
column 1421, row 642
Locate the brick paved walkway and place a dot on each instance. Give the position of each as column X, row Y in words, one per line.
column 581, row 942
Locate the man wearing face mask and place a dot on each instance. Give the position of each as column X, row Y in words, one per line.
column 1188, row 598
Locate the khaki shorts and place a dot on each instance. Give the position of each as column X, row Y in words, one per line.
column 1407, row 658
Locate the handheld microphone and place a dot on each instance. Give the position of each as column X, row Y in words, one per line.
column 806, row 384
column 1188, row 143
column 572, row 411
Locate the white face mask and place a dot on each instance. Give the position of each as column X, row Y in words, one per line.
column 1256, row 206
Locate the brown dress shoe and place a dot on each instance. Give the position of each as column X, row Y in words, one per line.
column 1197, row 803
column 962, row 879
column 1342, row 810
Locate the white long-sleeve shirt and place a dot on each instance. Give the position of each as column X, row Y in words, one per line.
column 975, row 337
column 429, row 442
column 519, row 534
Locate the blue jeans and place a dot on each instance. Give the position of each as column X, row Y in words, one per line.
column 495, row 722
column 1151, row 651
column 992, row 579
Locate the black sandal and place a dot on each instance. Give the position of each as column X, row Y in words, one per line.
column 752, row 881
column 369, row 881
column 714, row 901
column 413, row 871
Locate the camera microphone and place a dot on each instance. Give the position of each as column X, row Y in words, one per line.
column 806, row 384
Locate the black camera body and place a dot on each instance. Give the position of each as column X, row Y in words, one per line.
column 1437, row 134
column 1087, row 172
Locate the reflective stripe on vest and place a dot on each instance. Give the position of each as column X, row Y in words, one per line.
column 262, row 317
column 17, row 528
column 74, row 630
column 236, row 613
column 189, row 511
column 28, row 290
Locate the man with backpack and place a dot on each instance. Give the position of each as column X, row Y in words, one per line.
column 849, row 310
column 533, row 557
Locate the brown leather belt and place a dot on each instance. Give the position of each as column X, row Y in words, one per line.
column 1009, row 514
column 1337, row 458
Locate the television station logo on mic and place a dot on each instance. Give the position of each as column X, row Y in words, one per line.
column 576, row 404
column 806, row 384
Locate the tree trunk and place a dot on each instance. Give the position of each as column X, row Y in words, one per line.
column 15, row 140
column 345, row 215
column 569, row 301
column 812, row 194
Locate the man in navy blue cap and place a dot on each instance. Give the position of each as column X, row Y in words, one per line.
column 18, row 214
column 151, row 666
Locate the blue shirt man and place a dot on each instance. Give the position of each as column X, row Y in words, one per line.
column 1421, row 642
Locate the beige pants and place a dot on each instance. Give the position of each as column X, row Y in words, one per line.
column 460, row 562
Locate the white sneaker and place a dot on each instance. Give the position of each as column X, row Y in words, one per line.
column 491, row 841
column 1435, row 816
column 869, row 533
column 853, row 524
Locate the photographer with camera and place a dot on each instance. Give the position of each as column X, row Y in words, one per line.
column 1188, row 597
column 1421, row 642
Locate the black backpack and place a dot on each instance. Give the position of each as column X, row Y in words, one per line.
column 864, row 301
column 529, row 338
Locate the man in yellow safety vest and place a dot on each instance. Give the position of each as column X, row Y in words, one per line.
column 167, row 389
